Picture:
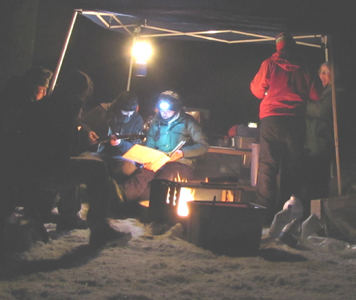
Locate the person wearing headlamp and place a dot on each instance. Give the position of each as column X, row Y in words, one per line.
column 170, row 126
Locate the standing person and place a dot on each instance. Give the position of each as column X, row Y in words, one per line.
column 319, row 144
column 284, row 84
column 51, row 164
column 102, row 123
column 169, row 127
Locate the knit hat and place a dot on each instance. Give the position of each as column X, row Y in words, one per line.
column 284, row 40
column 37, row 76
column 127, row 101
column 172, row 98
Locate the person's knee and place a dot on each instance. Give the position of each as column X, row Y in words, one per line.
column 128, row 168
column 98, row 167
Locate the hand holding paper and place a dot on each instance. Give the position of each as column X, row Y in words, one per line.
column 176, row 155
column 152, row 159
column 148, row 166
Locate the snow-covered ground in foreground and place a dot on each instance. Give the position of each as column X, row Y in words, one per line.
column 166, row 266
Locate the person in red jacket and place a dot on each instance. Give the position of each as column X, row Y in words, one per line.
column 284, row 84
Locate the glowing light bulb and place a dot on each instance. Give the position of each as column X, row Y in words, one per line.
column 142, row 51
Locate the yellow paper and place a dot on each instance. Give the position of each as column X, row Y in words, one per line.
column 142, row 154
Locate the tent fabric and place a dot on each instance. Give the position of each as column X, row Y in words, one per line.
column 261, row 18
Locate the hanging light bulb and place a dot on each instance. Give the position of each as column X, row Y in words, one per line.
column 142, row 52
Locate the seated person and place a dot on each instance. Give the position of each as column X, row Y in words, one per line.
column 120, row 116
column 103, row 126
column 169, row 127
column 51, row 165
column 16, row 97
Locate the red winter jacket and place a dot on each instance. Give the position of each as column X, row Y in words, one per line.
column 283, row 86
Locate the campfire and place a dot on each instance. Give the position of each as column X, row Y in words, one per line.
column 168, row 199
column 211, row 213
column 186, row 194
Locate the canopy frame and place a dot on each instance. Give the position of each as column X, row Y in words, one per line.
column 116, row 21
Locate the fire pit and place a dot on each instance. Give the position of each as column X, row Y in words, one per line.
column 168, row 198
column 228, row 228
column 218, row 222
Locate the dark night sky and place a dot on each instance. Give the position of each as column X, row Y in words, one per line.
column 208, row 75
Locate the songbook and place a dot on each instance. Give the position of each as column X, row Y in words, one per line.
column 143, row 154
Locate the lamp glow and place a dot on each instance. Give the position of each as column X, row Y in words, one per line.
column 142, row 51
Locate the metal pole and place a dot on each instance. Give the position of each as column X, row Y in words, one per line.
column 336, row 132
column 60, row 61
column 324, row 40
column 131, row 65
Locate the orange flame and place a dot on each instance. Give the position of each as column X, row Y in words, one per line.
column 186, row 194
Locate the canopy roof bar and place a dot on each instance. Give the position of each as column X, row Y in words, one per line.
column 117, row 21
column 122, row 26
column 308, row 44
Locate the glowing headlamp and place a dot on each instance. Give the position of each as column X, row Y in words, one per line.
column 163, row 105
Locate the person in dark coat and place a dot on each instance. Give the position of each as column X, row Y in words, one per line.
column 17, row 95
column 319, row 143
column 118, row 117
column 16, row 99
column 103, row 127
column 52, row 164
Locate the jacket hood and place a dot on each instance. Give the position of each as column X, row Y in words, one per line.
column 283, row 60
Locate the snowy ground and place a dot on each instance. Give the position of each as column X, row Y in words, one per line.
column 168, row 267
